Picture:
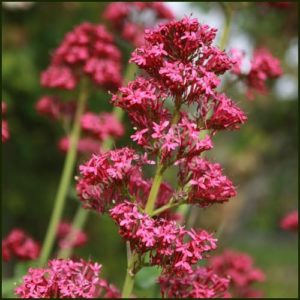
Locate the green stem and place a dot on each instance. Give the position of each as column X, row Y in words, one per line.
column 65, row 178
column 154, row 189
column 165, row 207
column 132, row 258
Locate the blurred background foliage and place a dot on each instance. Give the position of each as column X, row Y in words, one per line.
column 261, row 158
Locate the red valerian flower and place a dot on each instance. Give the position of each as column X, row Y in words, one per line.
column 101, row 125
column 87, row 50
column 226, row 114
column 173, row 248
column 18, row 244
column 53, row 108
column 290, row 221
column 201, row 283
column 239, row 267
column 104, row 178
column 64, row 230
column 263, row 67
column 66, row 279
column 130, row 19
column 208, row 184
column 4, row 126
column 86, row 145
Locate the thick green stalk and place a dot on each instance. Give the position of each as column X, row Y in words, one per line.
column 65, row 179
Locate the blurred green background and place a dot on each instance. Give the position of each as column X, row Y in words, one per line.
column 261, row 158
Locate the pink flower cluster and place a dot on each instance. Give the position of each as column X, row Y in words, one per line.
column 104, row 178
column 173, row 248
column 66, row 279
column 130, row 19
column 87, row 50
column 290, row 221
column 53, row 108
column 202, row 283
column 101, row 125
column 208, row 184
column 96, row 128
column 86, row 145
column 111, row 177
column 181, row 64
column 264, row 66
column 4, row 125
column 79, row 238
column 18, row 244
column 239, row 267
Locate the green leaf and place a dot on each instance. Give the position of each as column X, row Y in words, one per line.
column 147, row 277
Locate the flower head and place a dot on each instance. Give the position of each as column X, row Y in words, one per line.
column 173, row 248
column 18, row 244
column 201, row 283
column 87, row 50
column 4, row 124
column 104, row 178
column 79, row 238
column 208, row 184
column 239, row 267
column 290, row 221
column 53, row 108
column 263, row 66
column 131, row 18
column 66, row 279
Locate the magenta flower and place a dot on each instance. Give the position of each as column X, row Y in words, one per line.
column 173, row 248
column 53, row 108
column 66, row 279
column 4, row 125
column 226, row 115
column 101, row 125
column 290, row 221
column 64, row 230
column 104, row 178
column 239, row 267
column 202, row 283
column 87, row 50
column 263, row 67
column 129, row 19
column 18, row 244
column 208, row 184
column 86, row 145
